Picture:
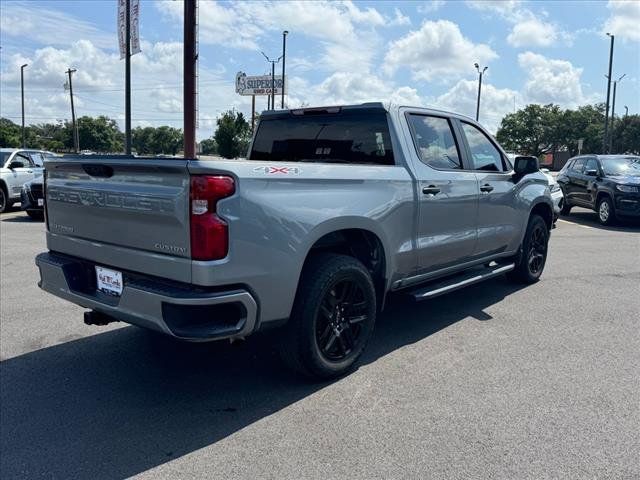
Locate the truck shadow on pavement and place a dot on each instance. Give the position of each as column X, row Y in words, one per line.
column 118, row 403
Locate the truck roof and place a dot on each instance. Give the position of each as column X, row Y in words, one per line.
column 371, row 106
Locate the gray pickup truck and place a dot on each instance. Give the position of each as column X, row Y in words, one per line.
column 334, row 209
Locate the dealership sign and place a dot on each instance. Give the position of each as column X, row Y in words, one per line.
column 134, row 26
column 257, row 85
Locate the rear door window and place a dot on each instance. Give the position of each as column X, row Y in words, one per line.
column 354, row 137
column 435, row 142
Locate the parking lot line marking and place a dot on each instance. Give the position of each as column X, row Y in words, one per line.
column 576, row 224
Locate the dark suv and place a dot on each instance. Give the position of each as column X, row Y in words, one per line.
column 608, row 184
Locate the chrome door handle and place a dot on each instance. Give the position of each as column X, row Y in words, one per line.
column 486, row 188
column 430, row 190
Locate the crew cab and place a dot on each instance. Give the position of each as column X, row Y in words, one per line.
column 334, row 208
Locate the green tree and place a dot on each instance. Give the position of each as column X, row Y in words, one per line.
column 626, row 135
column 167, row 140
column 100, row 134
column 208, row 146
column 586, row 123
column 232, row 135
column 534, row 130
column 10, row 135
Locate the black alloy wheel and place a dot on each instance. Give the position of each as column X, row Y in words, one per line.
column 339, row 321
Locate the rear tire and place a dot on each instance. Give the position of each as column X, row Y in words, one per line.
column 533, row 255
column 606, row 211
column 332, row 318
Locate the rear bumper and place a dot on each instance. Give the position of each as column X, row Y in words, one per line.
column 178, row 310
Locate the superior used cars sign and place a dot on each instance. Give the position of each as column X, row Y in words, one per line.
column 260, row 85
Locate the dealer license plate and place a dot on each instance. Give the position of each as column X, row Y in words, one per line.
column 109, row 281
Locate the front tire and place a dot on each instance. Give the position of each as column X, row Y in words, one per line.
column 533, row 256
column 606, row 211
column 5, row 204
column 332, row 318
column 566, row 208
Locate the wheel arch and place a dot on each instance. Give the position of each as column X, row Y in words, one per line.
column 361, row 240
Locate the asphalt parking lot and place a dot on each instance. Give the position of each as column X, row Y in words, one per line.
column 495, row 381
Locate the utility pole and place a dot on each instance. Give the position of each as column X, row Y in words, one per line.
column 284, row 53
column 480, row 72
column 127, row 79
column 190, row 58
column 76, row 139
column 606, row 112
column 24, row 142
column 613, row 112
column 273, row 79
column 626, row 111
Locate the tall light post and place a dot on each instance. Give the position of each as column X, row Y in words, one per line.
column 76, row 136
column 22, row 95
column 284, row 53
column 273, row 79
column 480, row 73
column 626, row 111
column 613, row 112
column 606, row 112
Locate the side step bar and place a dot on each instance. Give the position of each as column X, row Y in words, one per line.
column 459, row 281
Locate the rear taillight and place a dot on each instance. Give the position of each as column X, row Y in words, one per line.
column 209, row 233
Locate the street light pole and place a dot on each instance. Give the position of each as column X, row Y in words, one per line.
column 613, row 112
column 606, row 112
column 22, row 95
column 284, row 52
column 273, row 79
column 76, row 137
column 626, row 111
column 480, row 72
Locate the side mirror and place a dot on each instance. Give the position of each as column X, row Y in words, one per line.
column 525, row 165
column 591, row 173
column 16, row 164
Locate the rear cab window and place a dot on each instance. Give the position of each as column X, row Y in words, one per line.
column 332, row 135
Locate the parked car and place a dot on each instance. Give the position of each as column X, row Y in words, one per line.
column 607, row 184
column 334, row 209
column 556, row 192
column 17, row 166
column 32, row 198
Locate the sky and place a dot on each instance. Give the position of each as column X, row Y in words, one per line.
column 411, row 53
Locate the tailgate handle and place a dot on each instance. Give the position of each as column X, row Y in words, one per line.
column 98, row 170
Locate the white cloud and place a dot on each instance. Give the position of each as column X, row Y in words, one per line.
column 399, row 20
column 552, row 81
column 624, row 20
column 495, row 103
column 532, row 32
column 438, row 49
column 529, row 29
column 430, row 7
column 50, row 27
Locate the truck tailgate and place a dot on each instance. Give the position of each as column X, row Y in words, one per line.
column 126, row 212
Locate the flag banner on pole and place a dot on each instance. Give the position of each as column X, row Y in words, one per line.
column 134, row 19
column 135, row 26
column 122, row 18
